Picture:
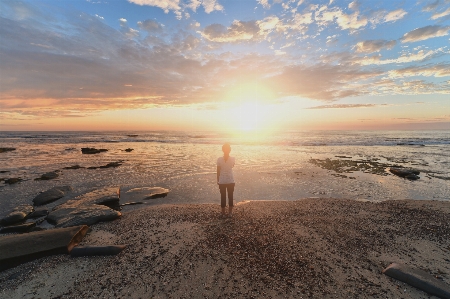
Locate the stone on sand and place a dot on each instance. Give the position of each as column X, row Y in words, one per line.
column 18, row 249
column 410, row 174
column 147, row 193
column 91, row 150
column 96, row 250
column 21, row 228
column 87, row 209
column 48, row 176
column 50, row 195
column 18, row 214
column 419, row 279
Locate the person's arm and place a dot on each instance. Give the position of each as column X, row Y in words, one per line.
column 218, row 173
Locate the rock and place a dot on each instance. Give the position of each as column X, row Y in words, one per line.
column 146, row 193
column 6, row 149
column 50, row 195
column 38, row 213
column 91, row 150
column 96, row 250
column 48, row 176
column 418, row 279
column 22, row 228
column 73, row 167
column 12, row 180
column 132, row 135
column 18, row 214
column 4, row 171
column 109, row 165
column 86, row 209
column 405, row 173
column 132, row 203
column 129, row 150
column 17, row 249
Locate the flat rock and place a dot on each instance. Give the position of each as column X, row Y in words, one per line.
column 11, row 181
column 129, row 150
column 50, row 195
column 109, row 165
column 87, row 209
column 146, row 193
column 6, row 149
column 411, row 174
column 38, row 213
column 17, row 215
column 91, row 150
column 418, row 279
column 96, row 250
column 21, row 228
column 17, row 249
column 73, row 167
column 48, row 176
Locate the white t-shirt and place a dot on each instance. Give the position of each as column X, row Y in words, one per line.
column 226, row 170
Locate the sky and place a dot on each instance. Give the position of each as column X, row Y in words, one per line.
column 236, row 65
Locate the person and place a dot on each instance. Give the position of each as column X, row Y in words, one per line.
column 225, row 179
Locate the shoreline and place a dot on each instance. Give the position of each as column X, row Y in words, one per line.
column 310, row 248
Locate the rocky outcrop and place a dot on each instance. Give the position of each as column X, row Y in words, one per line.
column 87, row 209
column 11, row 181
column 129, row 150
column 109, row 165
column 410, row 174
column 52, row 194
column 17, row 249
column 91, row 150
column 146, row 193
column 73, row 167
column 17, row 215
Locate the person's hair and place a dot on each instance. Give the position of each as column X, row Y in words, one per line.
column 226, row 146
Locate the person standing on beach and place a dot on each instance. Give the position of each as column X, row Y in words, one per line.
column 225, row 179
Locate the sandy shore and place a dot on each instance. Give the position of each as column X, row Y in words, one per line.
column 310, row 248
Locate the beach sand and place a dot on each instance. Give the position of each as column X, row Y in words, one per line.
column 308, row 248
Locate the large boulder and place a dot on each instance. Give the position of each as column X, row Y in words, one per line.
column 17, row 249
column 17, row 215
column 50, row 195
column 87, row 209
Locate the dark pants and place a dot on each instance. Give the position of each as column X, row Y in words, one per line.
column 224, row 188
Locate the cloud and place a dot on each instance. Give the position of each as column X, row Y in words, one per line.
column 178, row 7
column 345, row 106
column 238, row 31
column 395, row 15
column 370, row 46
column 425, row 33
column 438, row 15
column 439, row 70
column 431, row 6
column 150, row 26
column 345, row 21
column 420, row 55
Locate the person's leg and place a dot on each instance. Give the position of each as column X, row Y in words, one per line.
column 223, row 200
column 230, row 189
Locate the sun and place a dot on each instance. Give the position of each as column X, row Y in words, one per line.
column 249, row 116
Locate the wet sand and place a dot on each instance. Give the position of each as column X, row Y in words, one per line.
column 309, row 248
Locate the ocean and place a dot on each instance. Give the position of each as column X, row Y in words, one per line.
column 280, row 166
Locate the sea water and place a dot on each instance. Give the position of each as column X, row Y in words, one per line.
column 268, row 167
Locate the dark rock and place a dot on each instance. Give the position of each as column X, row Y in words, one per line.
column 18, row 214
column 17, row 249
column 96, row 250
column 419, row 279
column 132, row 203
column 73, row 167
column 109, row 165
column 91, row 150
column 47, row 176
column 405, row 173
column 86, row 209
column 129, row 150
column 132, row 135
column 12, row 180
column 50, row 195
column 4, row 171
column 6, row 149
column 22, row 228
column 38, row 213
column 146, row 193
